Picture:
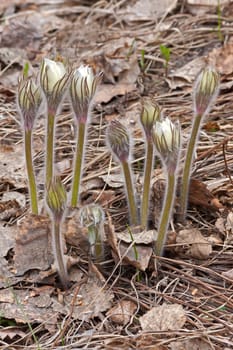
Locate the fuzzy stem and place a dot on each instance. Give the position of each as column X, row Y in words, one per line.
column 166, row 213
column 130, row 193
column 30, row 171
column 146, row 186
column 78, row 163
column 187, row 167
column 58, row 253
column 49, row 148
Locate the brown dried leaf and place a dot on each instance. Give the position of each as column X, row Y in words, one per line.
column 11, row 333
column 33, row 244
column 222, row 58
column 7, row 239
column 149, row 9
column 199, row 246
column 106, row 92
column 194, row 344
column 19, row 305
column 200, row 7
column 122, row 312
column 163, row 318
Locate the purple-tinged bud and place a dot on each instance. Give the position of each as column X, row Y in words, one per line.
column 53, row 80
column 29, row 101
column 118, row 140
column 167, row 140
column 83, row 87
column 205, row 90
column 149, row 116
column 56, row 198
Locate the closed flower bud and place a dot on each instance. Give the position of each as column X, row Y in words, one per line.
column 56, row 198
column 118, row 140
column 53, row 80
column 82, row 90
column 150, row 115
column 92, row 217
column 205, row 90
column 29, row 101
column 166, row 137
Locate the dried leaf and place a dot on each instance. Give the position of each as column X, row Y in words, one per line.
column 107, row 92
column 122, row 312
column 200, row 7
column 199, row 246
column 32, row 244
column 163, row 318
column 7, row 239
column 147, row 9
column 11, row 333
column 194, row 344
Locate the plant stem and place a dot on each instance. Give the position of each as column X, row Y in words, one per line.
column 130, row 193
column 166, row 213
column 58, row 253
column 49, row 148
column 146, row 186
column 187, row 167
column 30, row 171
column 78, row 163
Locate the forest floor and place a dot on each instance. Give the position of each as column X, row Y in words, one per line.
column 131, row 299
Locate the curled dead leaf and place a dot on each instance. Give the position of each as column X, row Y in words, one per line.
column 193, row 244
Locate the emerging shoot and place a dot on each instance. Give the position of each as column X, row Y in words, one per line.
column 82, row 90
column 92, row 217
column 150, row 115
column 205, row 93
column 29, row 101
column 119, row 144
column 166, row 137
column 56, row 201
column 53, row 81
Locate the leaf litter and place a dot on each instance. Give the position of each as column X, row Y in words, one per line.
column 198, row 278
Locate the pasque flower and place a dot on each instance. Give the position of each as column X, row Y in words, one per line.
column 29, row 101
column 92, row 217
column 205, row 90
column 54, row 81
column 82, row 90
column 167, row 140
column 205, row 93
column 118, row 141
column 149, row 116
column 83, row 87
column 56, row 201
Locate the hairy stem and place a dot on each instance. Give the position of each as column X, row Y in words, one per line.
column 49, row 148
column 187, row 167
column 130, row 193
column 58, row 253
column 146, row 185
column 78, row 163
column 166, row 213
column 30, row 171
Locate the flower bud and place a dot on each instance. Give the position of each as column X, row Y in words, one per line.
column 149, row 116
column 118, row 140
column 53, row 80
column 56, row 198
column 92, row 217
column 166, row 137
column 205, row 90
column 29, row 101
column 82, row 90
